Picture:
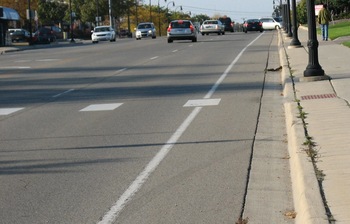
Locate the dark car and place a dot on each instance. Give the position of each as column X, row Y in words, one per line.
column 229, row 24
column 252, row 25
column 44, row 35
column 18, row 36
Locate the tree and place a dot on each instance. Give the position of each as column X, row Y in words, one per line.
column 51, row 12
column 302, row 12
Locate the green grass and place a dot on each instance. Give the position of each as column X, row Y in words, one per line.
column 337, row 30
column 347, row 43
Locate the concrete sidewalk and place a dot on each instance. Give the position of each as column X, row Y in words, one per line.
column 320, row 189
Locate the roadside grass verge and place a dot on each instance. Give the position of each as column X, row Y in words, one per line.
column 339, row 29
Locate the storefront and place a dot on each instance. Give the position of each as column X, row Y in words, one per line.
column 6, row 15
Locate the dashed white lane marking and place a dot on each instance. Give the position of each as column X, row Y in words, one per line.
column 48, row 59
column 7, row 111
column 15, row 67
column 154, row 57
column 65, row 92
column 113, row 213
column 102, row 107
column 174, row 51
column 202, row 102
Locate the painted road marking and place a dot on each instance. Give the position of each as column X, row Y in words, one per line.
column 15, row 67
column 202, row 102
column 126, row 197
column 154, row 58
column 48, row 59
column 175, row 51
column 7, row 111
column 102, row 107
column 65, row 92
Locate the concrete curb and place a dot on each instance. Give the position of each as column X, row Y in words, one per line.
column 308, row 202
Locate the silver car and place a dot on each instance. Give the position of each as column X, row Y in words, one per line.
column 181, row 30
column 212, row 26
column 144, row 30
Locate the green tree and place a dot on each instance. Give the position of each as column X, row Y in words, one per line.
column 302, row 12
column 51, row 12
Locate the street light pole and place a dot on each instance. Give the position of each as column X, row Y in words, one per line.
column 167, row 9
column 313, row 68
column 150, row 10
column 30, row 23
column 71, row 21
column 160, row 33
column 295, row 42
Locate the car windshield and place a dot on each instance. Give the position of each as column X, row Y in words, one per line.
column 211, row 22
column 180, row 25
column 101, row 29
column 144, row 26
column 252, row 21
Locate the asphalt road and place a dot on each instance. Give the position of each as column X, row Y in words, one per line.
column 131, row 131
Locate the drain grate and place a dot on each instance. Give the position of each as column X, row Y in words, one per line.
column 319, row 96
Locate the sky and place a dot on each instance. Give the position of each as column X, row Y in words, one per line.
column 236, row 9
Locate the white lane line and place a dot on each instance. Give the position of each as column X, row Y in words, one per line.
column 65, row 92
column 19, row 61
column 202, row 102
column 102, row 107
column 191, row 45
column 15, row 67
column 48, row 59
column 119, row 71
column 154, row 57
column 223, row 76
column 113, row 213
column 174, row 51
column 7, row 111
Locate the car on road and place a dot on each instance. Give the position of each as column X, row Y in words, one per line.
column 269, row 23
column 252, row 25
column 144, row 30
column 212, row 26
column 228, row 23
column 103, row 33
column 181, row 30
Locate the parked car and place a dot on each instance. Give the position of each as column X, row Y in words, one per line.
column 269, row 23
column 44, row 35
column 212, row 26
column 181, row 30
column 124, row 33
column 144, row 30
column 228, row 23
column 18, row 34
column 252, row 25
column 103, row 33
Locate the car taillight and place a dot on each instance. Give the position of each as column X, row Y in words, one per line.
column 232, row 24
column 260, row 23
column 192, row 28
column 169, row 28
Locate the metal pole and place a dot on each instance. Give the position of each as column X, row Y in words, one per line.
column 295, row 42
column 71, row 21
column 313, row 68
column 289, row 27
column 150, row 11
column 30, row 24
column 110, row 13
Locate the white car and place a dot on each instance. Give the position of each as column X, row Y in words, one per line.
column 212, row 26
column 101, row 33
column 268, row 23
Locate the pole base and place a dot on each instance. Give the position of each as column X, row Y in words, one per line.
column 314, row 78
